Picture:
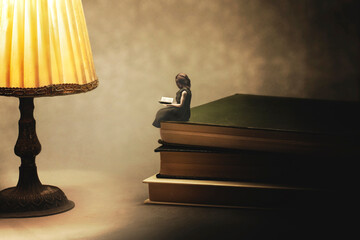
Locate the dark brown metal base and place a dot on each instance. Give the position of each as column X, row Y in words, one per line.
column 30, row 198
column 50, row 200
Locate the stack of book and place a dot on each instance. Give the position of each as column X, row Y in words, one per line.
column 257, row 151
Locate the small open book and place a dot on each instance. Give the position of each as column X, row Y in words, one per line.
column 166, row 100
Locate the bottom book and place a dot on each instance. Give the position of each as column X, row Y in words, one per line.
column 231, row 194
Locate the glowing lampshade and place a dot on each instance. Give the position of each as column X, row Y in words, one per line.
column 44, row 48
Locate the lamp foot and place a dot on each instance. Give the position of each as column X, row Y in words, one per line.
column 49, row 200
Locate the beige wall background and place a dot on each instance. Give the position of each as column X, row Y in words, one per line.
column 307, row 49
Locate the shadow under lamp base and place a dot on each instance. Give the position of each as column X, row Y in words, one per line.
column 30, row 198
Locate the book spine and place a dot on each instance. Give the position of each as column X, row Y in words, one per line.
column 233, row 196
column 249, row 166
column 257, row 140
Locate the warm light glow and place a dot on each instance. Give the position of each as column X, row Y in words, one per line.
column 44, row 42
column 96, row 211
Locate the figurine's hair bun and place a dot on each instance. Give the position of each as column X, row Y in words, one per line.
column 182, row 80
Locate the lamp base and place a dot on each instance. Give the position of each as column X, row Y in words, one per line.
column 30, row 198
column 49, row 200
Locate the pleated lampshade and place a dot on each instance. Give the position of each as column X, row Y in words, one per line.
column 44, row 48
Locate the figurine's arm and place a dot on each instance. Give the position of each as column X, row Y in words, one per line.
column 182, row 100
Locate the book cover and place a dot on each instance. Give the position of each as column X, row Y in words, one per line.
column 280, row 113
column 270, row 124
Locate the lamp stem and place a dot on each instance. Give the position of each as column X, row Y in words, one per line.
column 27, row 147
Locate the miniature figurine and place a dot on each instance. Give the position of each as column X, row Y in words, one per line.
column 179, row 111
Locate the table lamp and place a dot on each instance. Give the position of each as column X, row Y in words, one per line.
column 44, row 51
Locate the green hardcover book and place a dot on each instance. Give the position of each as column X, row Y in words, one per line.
column 274, row 124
